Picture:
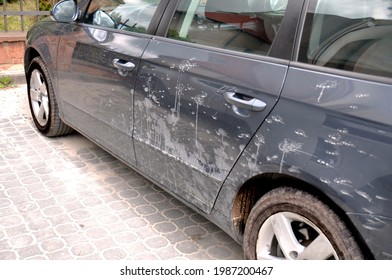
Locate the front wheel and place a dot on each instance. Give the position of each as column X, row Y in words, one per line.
column 287, row 223
column 42, row 100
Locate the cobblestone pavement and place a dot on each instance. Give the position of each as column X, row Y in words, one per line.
column 65, row 198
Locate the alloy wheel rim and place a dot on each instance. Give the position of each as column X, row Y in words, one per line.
column 287, row 235
column 39, row 97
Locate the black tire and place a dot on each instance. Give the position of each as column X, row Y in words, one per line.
column 42, row 100
column 287, row 223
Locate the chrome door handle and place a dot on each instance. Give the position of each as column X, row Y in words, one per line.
column 251, row 104
column 123, row 64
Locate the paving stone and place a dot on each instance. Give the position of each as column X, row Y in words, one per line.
column 30, row 252
column 220, row 252
column 155, row 218
column 146, row 256
column 176, row 236
column 173, row 213
column 67, row 199
column 104, row 244
column 54, row 244
column 126, row 237
column 96, row 233
column 137, row 223
column 195, row 232
column 21, row 240
column 59, row 255
column 145, row 210
column 156, row 242
column 8, row 255
column 165, row 227
column 52, row 211
column 10, row 221
column 38, row 225
column 115, row 254
column 82, row 249
column 40, row 194
column 108, row 219
column 187, row 247
column 66, row 229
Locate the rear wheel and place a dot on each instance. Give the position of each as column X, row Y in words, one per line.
column 288, row 223
column 42, row 100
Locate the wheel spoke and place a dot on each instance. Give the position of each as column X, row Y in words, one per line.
column 36, row 86
column 265, row 256
column 41, row 114
column 285, row 236
column 42, row 88
column 45, row 105
column 319, row 249
column 35, row 95
column 36, row 79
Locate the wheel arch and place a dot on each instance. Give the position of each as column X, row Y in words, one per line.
column 253, row 189
column 29, row 55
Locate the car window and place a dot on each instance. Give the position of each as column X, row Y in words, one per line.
column 128, row 15
column 353, row 35
column 248, row 25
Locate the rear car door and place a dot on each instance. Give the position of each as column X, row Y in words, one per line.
column 97, row 65
column 342, row 84
column 205, row 87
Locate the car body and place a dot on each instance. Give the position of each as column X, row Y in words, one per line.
column 272, row 118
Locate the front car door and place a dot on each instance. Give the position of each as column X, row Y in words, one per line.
column 203, row 91
column 97, row 66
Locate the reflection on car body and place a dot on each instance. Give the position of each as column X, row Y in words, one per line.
column 261, row 115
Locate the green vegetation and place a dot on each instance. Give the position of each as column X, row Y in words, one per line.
column 45, row 5
column 6, row 82
column 14, row 23
column 8, row 1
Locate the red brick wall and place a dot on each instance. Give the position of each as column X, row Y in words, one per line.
column 12, row 48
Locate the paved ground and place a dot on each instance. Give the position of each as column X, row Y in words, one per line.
column 65, row 198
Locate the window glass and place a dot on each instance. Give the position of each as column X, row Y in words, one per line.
column 353, row 35
column 129, row 15
column 247, row 25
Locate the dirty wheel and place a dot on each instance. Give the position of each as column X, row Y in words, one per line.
column 287, row 223
column 42, row 100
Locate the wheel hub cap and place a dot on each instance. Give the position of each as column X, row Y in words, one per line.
column 39, row 98
column 287, row 235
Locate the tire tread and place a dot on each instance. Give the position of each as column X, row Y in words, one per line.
column 55, row 127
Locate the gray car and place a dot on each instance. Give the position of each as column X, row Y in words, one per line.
column 272, row 118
